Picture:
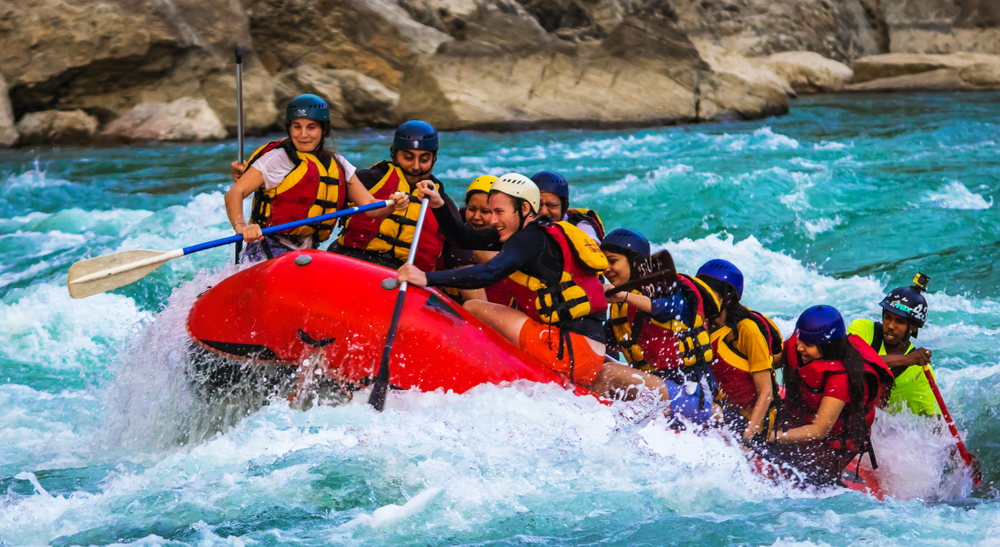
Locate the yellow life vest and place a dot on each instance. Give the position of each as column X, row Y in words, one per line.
column 394, row 233
column 621, row 326
column 314, row 187
column 694, row 343
column 575, row 216
column 579, row 292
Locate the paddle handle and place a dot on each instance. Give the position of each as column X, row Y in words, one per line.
column 380, row 387
column 239, row 103
column 289, row 226
column 947, row 415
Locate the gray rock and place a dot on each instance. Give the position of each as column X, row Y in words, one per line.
column 489, row 83
column 8, row 134
column 809, row 72
column 107, row 56
column 185, row 119
column 355, row 100
column 915, row 71
column 57, row 127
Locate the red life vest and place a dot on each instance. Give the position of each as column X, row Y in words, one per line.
column 394, row 233
column 311, row 189
column 732, row 368
column 579, row 292
column 812, row 383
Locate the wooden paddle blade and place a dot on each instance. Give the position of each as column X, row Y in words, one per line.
column 104, row 273
column 663, row 263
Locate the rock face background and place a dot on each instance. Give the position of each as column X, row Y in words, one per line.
column 501, row 64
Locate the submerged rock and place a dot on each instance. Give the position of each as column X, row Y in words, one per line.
column 185, row 119
column 8, row 133
column 912, row 72
column 355, row 100
column 57, row 127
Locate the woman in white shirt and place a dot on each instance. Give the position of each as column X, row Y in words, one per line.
column 295, row 178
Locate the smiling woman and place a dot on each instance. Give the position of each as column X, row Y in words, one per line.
column 293, row 179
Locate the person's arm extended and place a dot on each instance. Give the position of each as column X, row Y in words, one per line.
column 829, row 411
column 359, row 195
column 637, row 301
column 247, row 184
column 523, row 249
column 761, row 381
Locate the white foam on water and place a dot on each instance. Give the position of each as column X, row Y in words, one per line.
column 43, row 325
column 819, row 226
column 917, row 458
column 762, row 139
column 955, row 195
column 826, row 145
column 32, row 179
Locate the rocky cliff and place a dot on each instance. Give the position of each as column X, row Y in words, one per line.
column 501, row 64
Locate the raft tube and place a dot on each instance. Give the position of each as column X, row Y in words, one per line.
column 313, row 302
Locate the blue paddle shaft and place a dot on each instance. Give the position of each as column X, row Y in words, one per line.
column 290, row 225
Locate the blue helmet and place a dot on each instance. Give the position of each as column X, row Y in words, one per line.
column 724, row 270
column 908, row 303
column 307, row 106
column 551, row 182
column 415, row 135
column 820, row 324
column 628, row 240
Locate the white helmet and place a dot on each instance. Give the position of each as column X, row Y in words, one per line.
column 518, row 186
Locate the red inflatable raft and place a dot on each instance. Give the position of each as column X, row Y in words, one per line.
column 314, row 302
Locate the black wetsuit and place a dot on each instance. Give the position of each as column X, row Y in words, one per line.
column 370, row 177
column 530, row 250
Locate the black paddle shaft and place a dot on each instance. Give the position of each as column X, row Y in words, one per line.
column 381, row 385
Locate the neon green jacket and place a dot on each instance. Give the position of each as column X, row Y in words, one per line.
column 911, row 387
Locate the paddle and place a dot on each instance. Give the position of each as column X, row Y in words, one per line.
column 239, row 123
column 97, row 275
column 970, row 460
column 380, row 387
column 662, row 262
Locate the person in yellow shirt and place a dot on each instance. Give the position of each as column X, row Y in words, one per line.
column 744, row 342
column 904, row 312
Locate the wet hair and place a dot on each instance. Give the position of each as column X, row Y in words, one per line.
column 638, row 266
column 841, row 349
column 729, row 300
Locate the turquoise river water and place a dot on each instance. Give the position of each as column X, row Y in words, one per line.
column 103, row 443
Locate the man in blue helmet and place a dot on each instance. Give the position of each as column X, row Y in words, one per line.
column 387, row 242
column 904, row 311
column 295, row 178
column 555, row 204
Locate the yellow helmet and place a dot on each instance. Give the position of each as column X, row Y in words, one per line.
column 481, row 184
column 518, row 186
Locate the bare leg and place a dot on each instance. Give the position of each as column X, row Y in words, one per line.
column 627, row 380
column 507, row 321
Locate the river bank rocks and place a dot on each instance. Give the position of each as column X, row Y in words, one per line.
column 56, row 127
column 8, row 132
column 500, row 64
column 919, row 72
column 185, row 119
column 355, row 100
